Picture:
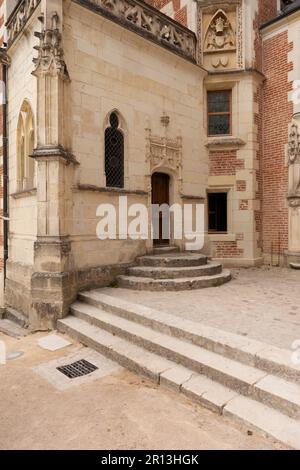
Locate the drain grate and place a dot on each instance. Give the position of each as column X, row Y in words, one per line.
column 77, row 369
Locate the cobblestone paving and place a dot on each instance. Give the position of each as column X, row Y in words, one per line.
column 261, row 303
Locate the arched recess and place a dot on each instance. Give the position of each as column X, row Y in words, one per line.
column 25, row 146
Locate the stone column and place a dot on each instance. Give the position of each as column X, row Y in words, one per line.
column 293, row 158
column 54, row 281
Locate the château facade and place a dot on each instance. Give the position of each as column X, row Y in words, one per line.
column 199, row 91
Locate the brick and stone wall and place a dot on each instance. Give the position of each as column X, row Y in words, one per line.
column 277, row 113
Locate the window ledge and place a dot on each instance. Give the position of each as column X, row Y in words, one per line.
column 100, row 189
column 216, row 143
column 222, row 237
column 24, row 193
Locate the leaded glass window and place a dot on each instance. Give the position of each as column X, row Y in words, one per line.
column 114, row 154
column 219, row 112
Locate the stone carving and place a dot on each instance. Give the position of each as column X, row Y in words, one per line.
column 19, row 18
column 220, row 35
column 293, row 144
column 239, row 37
column 50, row 52
column 145, row 20
column 164, row 152
column 293, row 158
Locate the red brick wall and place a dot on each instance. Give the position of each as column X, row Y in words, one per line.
column 276, row 116
column 267, row 9
column 224, row 163
column 180, row 13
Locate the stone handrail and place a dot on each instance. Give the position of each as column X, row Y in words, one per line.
column 148, row 22
column 19, row 18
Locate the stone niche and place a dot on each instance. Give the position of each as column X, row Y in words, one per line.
column 220, row 31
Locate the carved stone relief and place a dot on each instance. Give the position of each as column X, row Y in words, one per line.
column 220, row 33
column 50, row 53
column 17, row 22
column 164, row 153
column 293, row 160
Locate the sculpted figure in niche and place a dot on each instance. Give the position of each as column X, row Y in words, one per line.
column 220, row 35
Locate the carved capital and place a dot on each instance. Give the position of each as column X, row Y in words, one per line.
column 50, row 57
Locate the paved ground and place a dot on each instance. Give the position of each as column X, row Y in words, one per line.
column 119, row 411
column 262, row 303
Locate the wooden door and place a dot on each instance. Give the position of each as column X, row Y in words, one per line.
column 160, row 195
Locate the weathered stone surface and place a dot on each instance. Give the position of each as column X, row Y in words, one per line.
column 175, row 273
column 175, row 260
column 147, row 283
column 260, row 416
column 209, row 378
column 243, row 349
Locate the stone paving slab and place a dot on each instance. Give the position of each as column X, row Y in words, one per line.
column 259, row 303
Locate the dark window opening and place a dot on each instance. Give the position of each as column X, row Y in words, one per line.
column 114, row 154
column 219, row 112
column 217, row 212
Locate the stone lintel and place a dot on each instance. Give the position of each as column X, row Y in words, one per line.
column 219, row 143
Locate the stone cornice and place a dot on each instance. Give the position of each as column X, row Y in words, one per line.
column 47, row 153
column 19, row 17
column 100, row 189
column 148, row 22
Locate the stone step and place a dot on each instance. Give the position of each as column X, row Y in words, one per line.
column 12, row 329
column 147, row 283
column 244, row 379
column 172, row 260
column 158, row 272
column 206, row 392
column 16, row 317
column 251, row 352
column 160, row 250
column 295, row 266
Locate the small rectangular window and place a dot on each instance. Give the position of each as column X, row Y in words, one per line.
column 217, row 212
column 219, row 112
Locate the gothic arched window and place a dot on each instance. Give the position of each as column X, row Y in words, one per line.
column 25, row 146
column 114, row 153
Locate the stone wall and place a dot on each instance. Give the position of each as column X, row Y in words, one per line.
column 112, row 69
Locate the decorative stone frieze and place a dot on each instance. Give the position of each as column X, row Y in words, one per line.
column 19, row 18
column 147, row 21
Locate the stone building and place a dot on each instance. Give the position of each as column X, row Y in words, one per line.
column 197, row 93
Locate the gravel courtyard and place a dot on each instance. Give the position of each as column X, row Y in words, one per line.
column 262, row 303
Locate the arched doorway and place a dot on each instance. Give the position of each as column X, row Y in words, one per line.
column 160, row 183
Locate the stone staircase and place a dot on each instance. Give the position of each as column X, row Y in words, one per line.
column 252, row 382
column 169, row 270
